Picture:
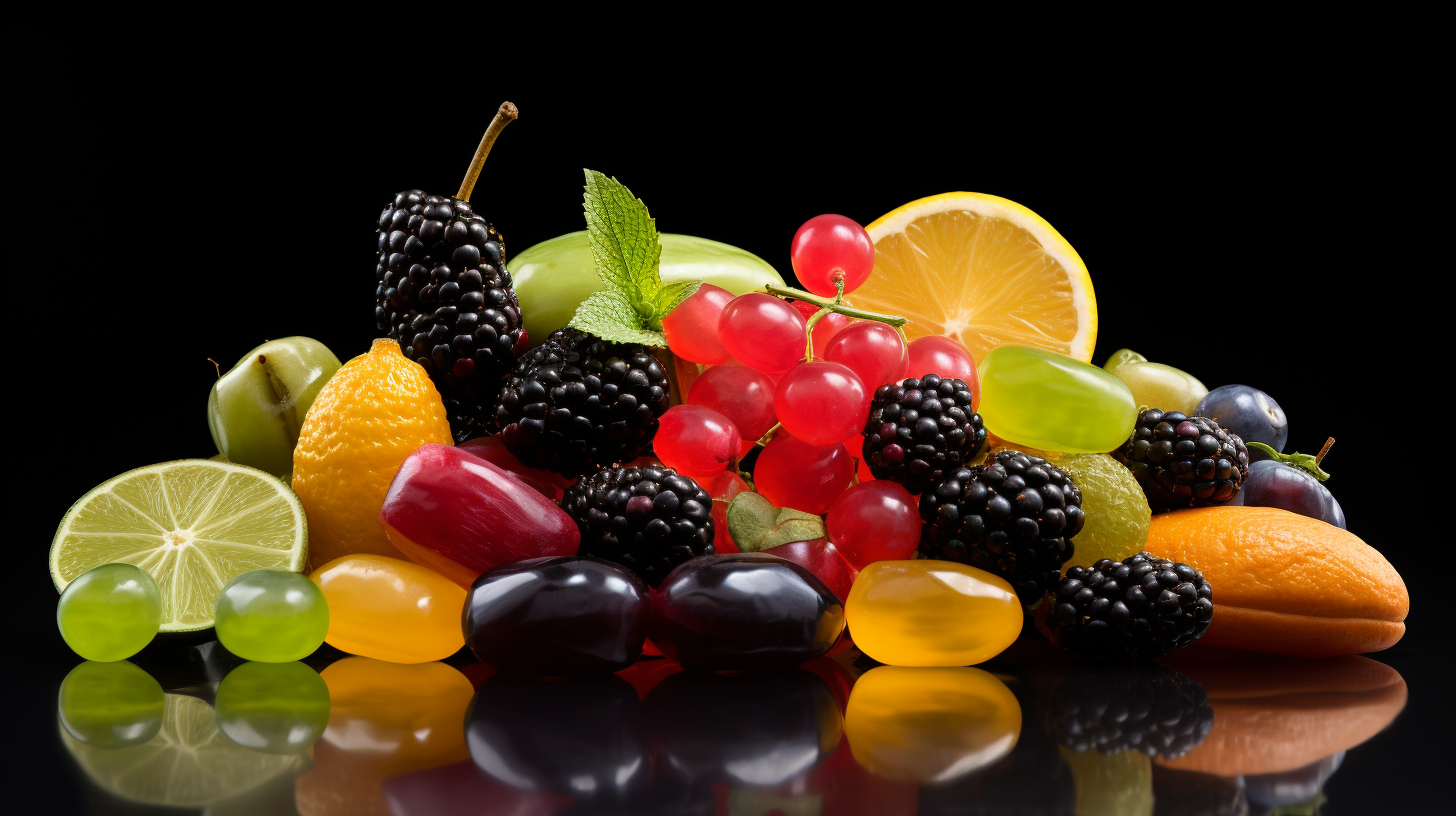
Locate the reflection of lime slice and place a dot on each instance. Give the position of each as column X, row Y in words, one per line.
column 194, row 524
column 188, row 764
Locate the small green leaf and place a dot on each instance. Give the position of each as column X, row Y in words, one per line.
column 670, row 296
column 609, row 315
column 756, row 525
column 624, row 241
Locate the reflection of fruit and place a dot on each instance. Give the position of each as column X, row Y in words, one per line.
column 276, row 708
column 372, row 414
column 188, row 764
column 1183, row 461
column 1286, row 583
column 1140, row 608
column 1272, row 715
column 930, row 725
column 552, row 278
column 1162, row 385
column 256, row 409
column 109, row 612
column 385, row 719
column 1145, row 707
column 1111, row 785
column 110, row 705
column 983, row 270
column 193, row 525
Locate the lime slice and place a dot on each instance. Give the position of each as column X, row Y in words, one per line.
column 188, row 764
column 194, row 524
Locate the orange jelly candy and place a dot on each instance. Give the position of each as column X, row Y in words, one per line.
column 390, row 609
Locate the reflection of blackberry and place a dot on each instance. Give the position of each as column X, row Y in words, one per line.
column 1146, row 708
column 444, row 293
column 1184, row 461
column 647, row 519
column 1014, row 516
column 921, row 429
column 577, row 403
column 1142, row 607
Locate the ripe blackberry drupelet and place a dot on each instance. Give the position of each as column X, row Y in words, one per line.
column 1146, row 707
column 1139, row 608
column 1184, row 461
column 1014, row 517
column 577, row 403
column 921, row 429
column 647, row 519
column 444, row 293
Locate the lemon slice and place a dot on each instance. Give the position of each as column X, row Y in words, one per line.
column 984, row 271
column 194, row 524
column 188, row 764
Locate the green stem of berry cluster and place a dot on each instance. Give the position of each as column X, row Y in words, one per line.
column 1303, row 461
column 837, row 305
column 769, row 435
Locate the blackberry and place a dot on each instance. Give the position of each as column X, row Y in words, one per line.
column 1139, row 608
column 648, row 519
column 1014, row 517
column 577, row 403
column 1184, row 461
column 919, row 429
column 1146, row 708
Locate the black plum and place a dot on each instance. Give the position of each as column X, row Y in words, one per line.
column 558, row 616
column 744, row 611
column 1272, row 483
column 580, row 737
column 1248, row 412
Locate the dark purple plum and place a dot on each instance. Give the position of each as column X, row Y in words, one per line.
column 1248, row 412
column 559, row 616
column 1272, row 483
column 744, row 612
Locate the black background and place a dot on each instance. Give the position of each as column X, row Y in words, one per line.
column 1247, row 228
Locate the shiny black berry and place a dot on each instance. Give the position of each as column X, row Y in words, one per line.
column 648, row 519
column 1139, row 608
column 920, row 429
column 1183, row 461
column 1015, row 516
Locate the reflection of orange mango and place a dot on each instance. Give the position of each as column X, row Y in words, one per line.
column 386, row 719
column 1286, row 583
column 1279, row 714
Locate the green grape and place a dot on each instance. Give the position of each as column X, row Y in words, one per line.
column 1162, row 386
column 256, row 408
column 271, row 616
column 1123, row 356
column 110, row 705
column 553, row 277
column 1117, row 509
column 276, row 708
column 110, row 612
column 1053, row 402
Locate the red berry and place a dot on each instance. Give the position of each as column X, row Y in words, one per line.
column 821, row 558
column 793, row 473
column 763, row 332
column 724, row 488
column 936, row 354
column 874, row 521
column 873, row 351
column 829, row 246
column 821, row 403
column 743, row 395
column 828, row 327
column 692, row 328
column 695, row 440
column 493, row 450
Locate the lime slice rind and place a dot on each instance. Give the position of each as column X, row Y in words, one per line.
column 193, row 524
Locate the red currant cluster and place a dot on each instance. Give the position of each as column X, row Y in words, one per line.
column 794, row 371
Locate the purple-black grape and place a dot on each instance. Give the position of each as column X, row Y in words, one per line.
column 1275, row 484
column 1248, row 412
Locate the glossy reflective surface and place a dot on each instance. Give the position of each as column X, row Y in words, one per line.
column 191, row 729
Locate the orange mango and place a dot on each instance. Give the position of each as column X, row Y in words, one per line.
column 1286, row 583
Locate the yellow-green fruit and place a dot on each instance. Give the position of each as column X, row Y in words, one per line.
column 1117, row 509
column 1162, row 386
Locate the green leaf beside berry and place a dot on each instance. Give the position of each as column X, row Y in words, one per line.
column 627, row 251
column 756, row 525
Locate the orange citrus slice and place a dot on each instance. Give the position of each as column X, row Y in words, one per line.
column 984, row 271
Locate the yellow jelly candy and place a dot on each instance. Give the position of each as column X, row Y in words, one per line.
column 930, row 725
column 931, row 613
column 390, row 609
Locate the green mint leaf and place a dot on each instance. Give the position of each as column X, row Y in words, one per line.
column 756, row 525
column 624, row 242
column 610, row 315
column 669, row 297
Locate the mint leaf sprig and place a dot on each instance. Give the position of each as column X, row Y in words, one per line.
column 627, row 253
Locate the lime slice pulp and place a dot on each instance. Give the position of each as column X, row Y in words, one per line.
column 194, row 524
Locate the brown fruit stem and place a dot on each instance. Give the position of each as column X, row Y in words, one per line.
column 503, row 117
column 1319, row 457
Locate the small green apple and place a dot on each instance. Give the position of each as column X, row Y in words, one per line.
column 256, row 409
